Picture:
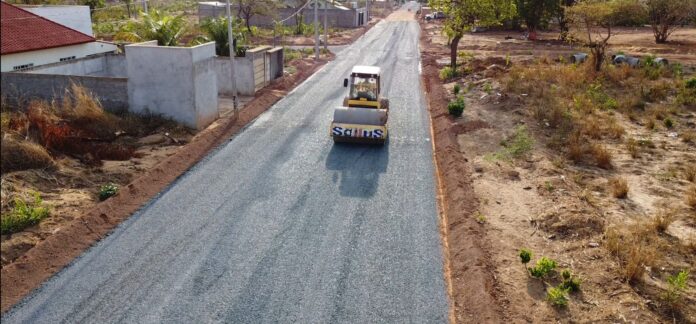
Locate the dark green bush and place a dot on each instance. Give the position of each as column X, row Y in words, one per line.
column 456, row 106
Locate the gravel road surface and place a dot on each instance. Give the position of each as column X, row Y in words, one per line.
column 279, row 224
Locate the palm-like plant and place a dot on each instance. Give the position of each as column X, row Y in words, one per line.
column 216, row 29
column 166, row 30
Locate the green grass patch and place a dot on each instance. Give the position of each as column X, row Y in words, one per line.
column 23, row 215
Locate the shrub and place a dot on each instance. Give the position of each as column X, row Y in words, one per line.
column 602, row 157
column 669, row 123
column 107, row 191
column 23, row 215
column 619, row 187
column 20, row 155
column 456, row 106
column 570, row 283
column 457, row 88
column 525, row 256
column 543, row 267
column 448, row 73
column 691, row 83
column 676, row 285
column 557, row 296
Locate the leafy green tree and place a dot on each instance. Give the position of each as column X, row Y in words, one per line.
column 167, row 30
column 535, row 13
column 666, row 16
column 462, row 16
column 561, row 17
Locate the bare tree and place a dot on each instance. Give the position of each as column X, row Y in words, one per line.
column 667, row 15
column 595, row 21
column 249, row 8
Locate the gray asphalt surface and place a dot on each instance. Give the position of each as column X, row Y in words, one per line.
column 280, row 224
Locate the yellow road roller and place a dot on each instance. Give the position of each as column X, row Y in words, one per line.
column 363, row 117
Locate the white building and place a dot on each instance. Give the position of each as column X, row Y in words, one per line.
column 75, row 17
column 29, row 40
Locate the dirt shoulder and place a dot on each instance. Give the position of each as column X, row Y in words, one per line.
column 70, row 240
column 469, row 262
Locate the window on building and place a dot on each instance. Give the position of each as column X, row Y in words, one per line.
column 23, row 67
column 67, row 58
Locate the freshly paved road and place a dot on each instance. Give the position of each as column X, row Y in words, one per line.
column 280, row 224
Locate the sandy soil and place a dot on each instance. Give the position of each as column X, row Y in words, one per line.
column 546, row 204
column 79, row 221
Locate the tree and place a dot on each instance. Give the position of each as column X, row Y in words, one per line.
column 128, row 4
column 299, row 16
column 596, row 19
column 216, row 29
column 561, row 17
column 167, row 30
column 93, row 4
column 666, row 16
column 249, row 8
column 462, row 16
column 535, row 13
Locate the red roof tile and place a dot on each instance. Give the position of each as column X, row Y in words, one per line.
column 23, row 31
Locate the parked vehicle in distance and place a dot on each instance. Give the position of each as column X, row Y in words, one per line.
column 435, row 15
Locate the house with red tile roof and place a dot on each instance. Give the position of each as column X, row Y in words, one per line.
column 29, row 40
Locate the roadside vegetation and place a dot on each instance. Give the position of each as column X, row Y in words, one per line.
column 60, row 157
column 596, row 157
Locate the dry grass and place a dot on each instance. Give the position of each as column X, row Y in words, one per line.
column 633, row 147
column 22, row 155
column 602, row 157
column 662, row 220
column 689, row 136
column 635, row 248
column 690, row 197
column 619, row 187
column 690, row 172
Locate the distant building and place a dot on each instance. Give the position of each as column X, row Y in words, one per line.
column 29, row 40
column 73, row 16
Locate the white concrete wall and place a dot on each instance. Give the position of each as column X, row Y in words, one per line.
column 176, row 82
column 53, row 55
column 244, row 72
column 75, row 17
column 105, row 65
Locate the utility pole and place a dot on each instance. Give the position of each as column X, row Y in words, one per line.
column 326, row 28
column 367, row 12
column 230, row 37
column 316, row 29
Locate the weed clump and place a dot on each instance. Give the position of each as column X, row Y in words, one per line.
column 448, row 73
column 636, row 248
column 542, row 268
column 570, row 282
column 457, row 88
column 619, row 187
column 107, row 191
column 23, row 215
column 517, row 145
column 557, row 296
column 676, row 285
